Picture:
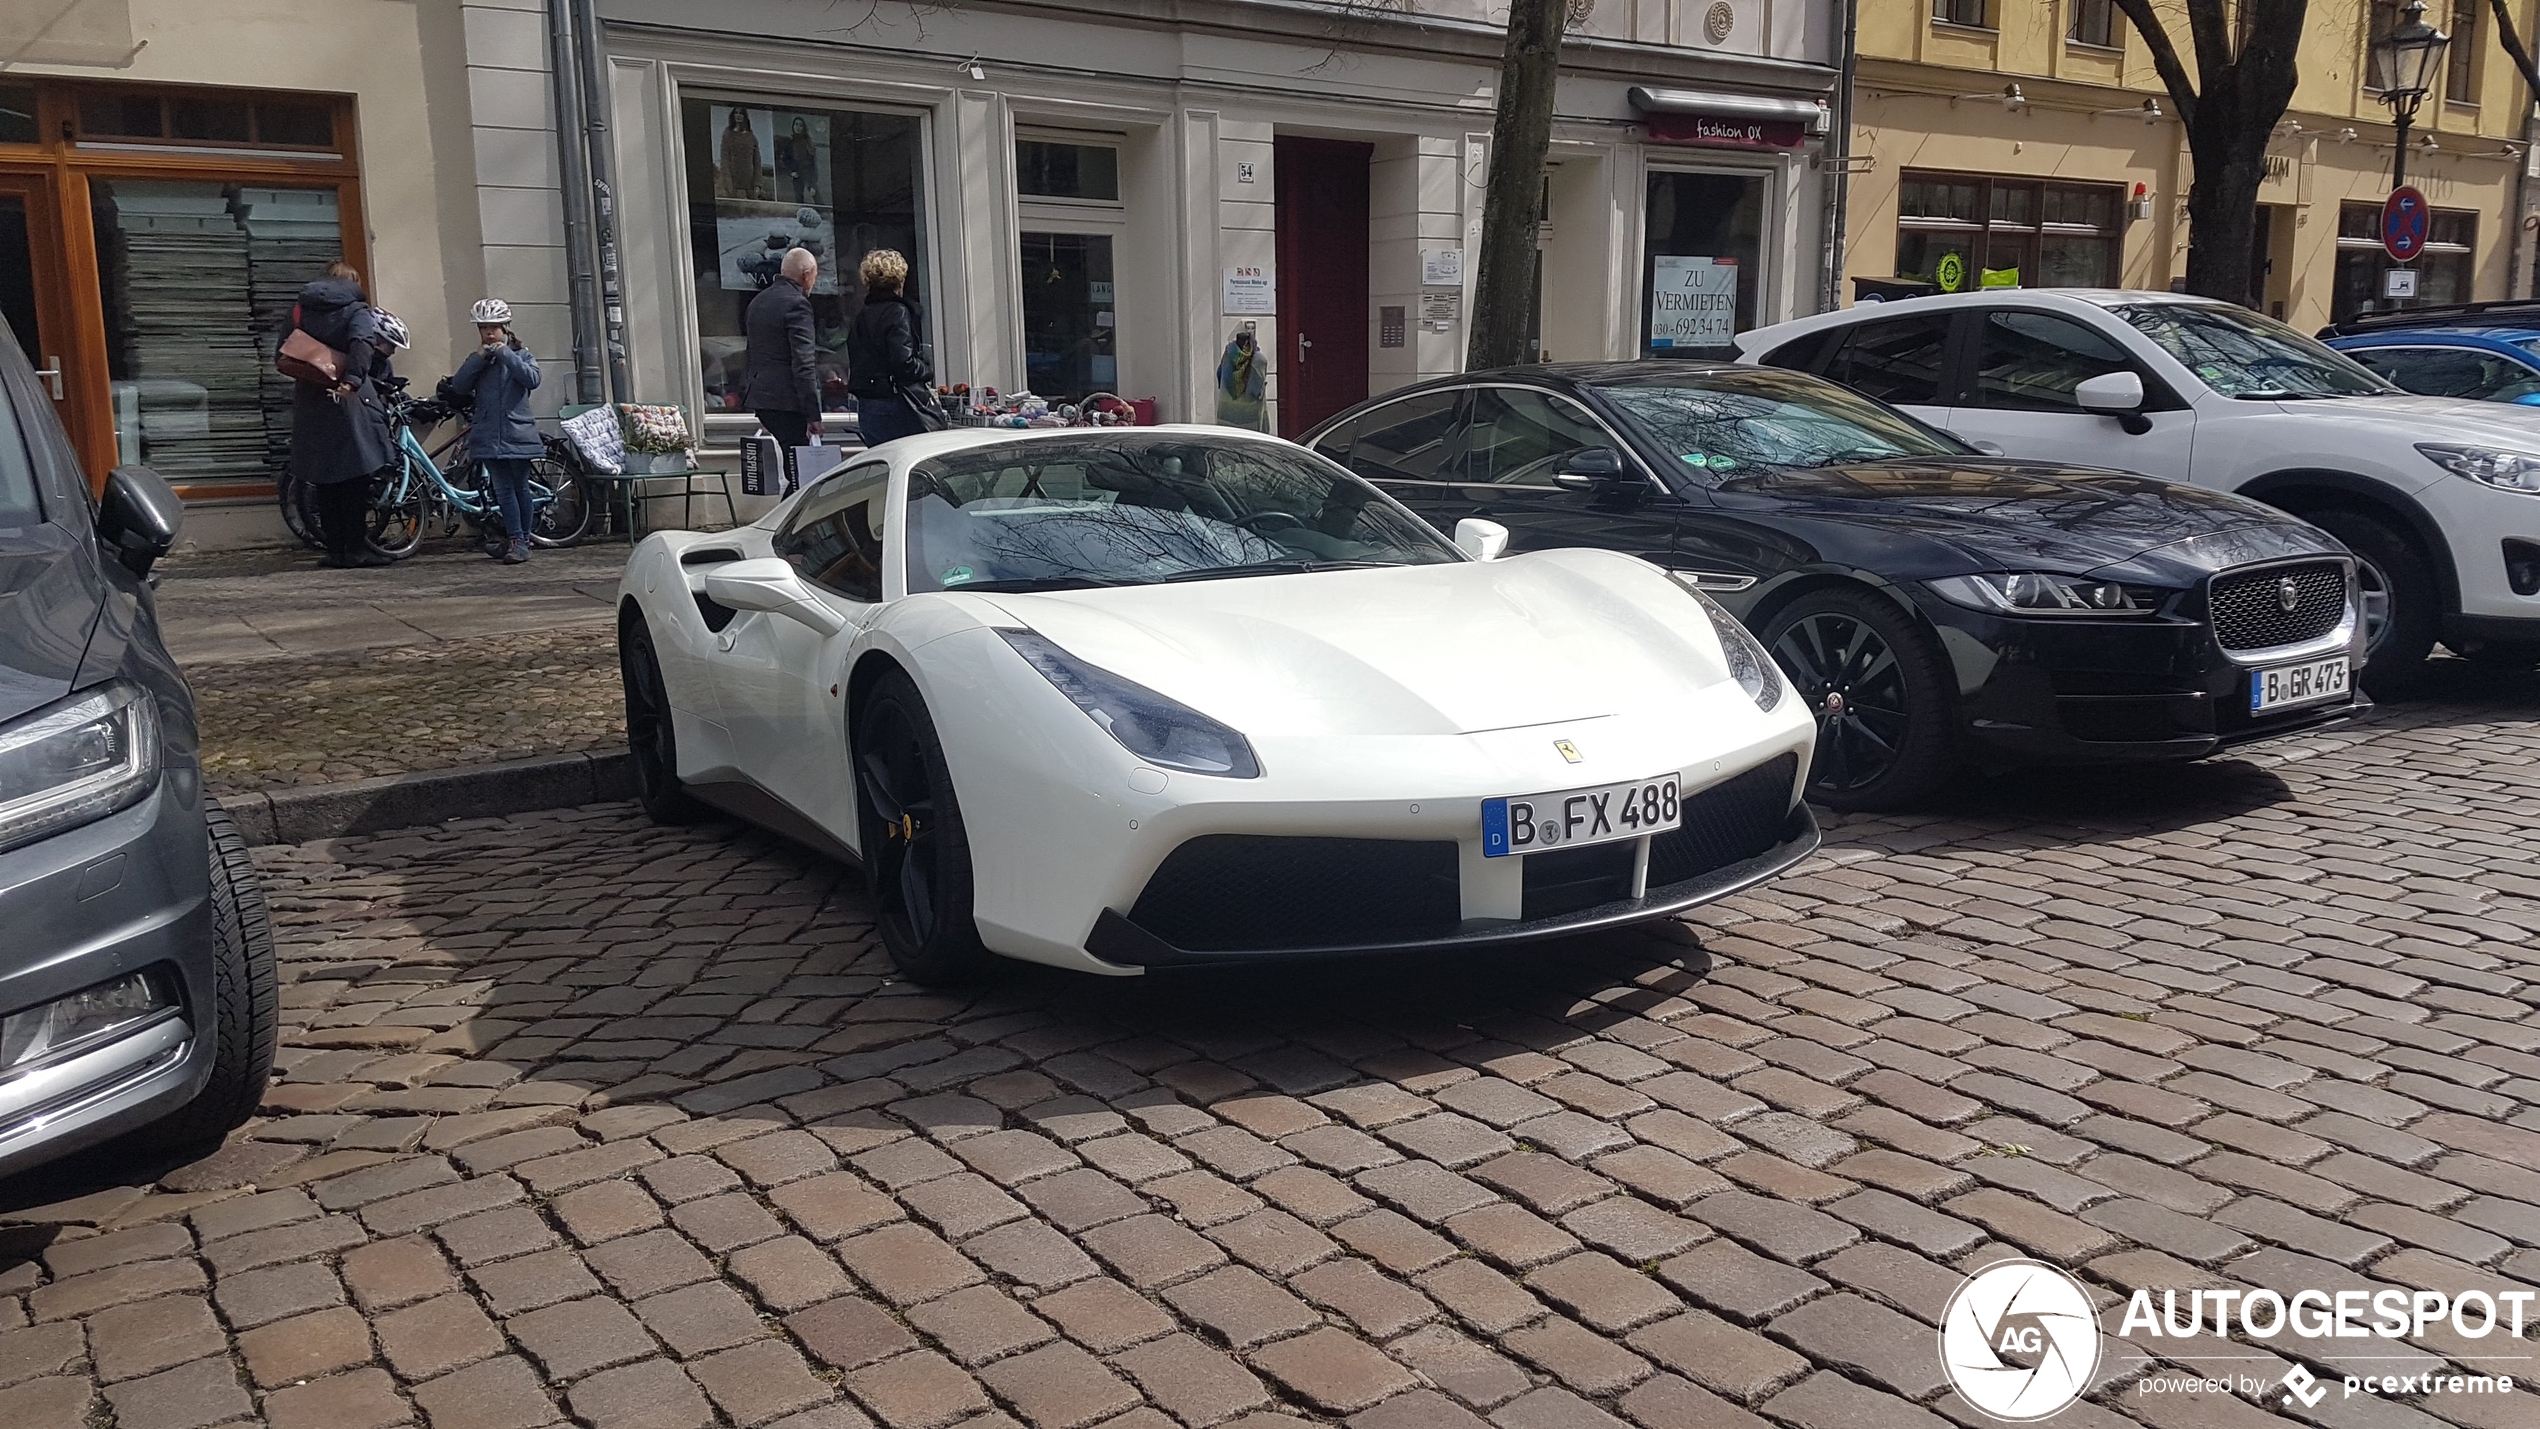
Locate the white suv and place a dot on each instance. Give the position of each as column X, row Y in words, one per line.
column 2439, row 497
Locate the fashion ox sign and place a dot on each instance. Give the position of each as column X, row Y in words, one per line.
column 1713, row 131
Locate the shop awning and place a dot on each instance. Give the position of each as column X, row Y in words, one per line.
column 1809, row 114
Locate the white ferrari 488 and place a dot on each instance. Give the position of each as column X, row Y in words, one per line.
column 1160, row 697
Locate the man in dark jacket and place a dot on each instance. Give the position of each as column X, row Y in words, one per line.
column 781, row 370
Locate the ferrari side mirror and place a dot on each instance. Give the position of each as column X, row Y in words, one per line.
column 1482, row 540
column 770, row 585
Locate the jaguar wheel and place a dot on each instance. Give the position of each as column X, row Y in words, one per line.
column 1879, row 689
column 652, row 742
column 916, row 852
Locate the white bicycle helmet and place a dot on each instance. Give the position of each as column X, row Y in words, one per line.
column 392, row 329
column 491, row 312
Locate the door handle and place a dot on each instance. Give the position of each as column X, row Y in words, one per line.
column 1302, row 343
column 55, row 373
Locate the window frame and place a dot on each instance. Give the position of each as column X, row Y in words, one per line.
column 2464, row 63
column 2157, row 394
column 2367, row 242
column 1954, row 12
column 1074, row 139
column 2104, row 12
column 1557, row 400
column 1623, row 448
column 2026, row 239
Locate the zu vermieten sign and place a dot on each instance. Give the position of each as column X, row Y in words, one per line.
column 1692, row 302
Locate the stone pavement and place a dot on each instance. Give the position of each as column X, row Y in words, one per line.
column 586, row 1119
column 273, row 601
column 299, row 720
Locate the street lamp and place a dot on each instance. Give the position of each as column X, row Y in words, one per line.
column 2404, row 63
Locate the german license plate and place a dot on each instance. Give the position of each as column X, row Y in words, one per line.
column 2307, row 683
column 1608, row 813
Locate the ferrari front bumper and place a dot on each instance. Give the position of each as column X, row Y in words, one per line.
column 1118, row 939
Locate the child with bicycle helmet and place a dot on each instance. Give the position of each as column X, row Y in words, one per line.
column 502, row 437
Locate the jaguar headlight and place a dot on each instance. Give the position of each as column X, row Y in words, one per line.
column 77, row 761
column 1749, row 664
column 2510, row 471
column 2037, row 593
column 1157, row 730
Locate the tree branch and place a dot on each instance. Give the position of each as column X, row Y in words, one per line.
column 2165, row 61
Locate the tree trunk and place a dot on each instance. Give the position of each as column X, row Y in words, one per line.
column 2222, row 217
column 1521, row 132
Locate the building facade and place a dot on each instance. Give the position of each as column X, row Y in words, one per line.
column 1092, row 196
column 2029, row 142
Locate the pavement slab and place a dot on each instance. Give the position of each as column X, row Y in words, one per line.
column 580, row 1118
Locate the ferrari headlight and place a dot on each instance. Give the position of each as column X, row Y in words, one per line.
column 80, row 760
column 1749, row 665
column 2511, row 471
column 1157, row 730
column 2036, row 593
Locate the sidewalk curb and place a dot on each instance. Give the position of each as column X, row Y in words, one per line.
column 366, row 806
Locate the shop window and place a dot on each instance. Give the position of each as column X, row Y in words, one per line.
column 222, row 121
column 2094, row 22
column 1049, row 168
column 1705, row 262
column 2032, row 362
column 1070, row 316
column 2031, row 234
column 17, row 114
column 764, row 176
column 1977, row 13
column 2443, row 268
column 197, row 280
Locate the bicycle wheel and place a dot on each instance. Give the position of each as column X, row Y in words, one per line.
column 560, row 504
column 299, row 510
column 396, row 515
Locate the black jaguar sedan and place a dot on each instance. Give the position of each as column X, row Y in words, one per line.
column 1935, row 605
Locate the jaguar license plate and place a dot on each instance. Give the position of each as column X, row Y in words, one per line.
column 1575, row 817
column 2310, row 682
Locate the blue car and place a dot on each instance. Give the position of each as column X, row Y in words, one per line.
column 2489, row 352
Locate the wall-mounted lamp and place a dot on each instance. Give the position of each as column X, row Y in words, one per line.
column 2346, row 135
column 2149, row 112
column 973, row 68
column 2009, row 94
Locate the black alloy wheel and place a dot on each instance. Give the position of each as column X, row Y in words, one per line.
column 652, row 744
column 916, row 852
column 2399, row 596
column 1877, row 686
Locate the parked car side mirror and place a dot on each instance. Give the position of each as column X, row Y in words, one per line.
column 1482, row 540
column 1590, row 469
column 138, row 517
column 2115, row 394
column 770, row 585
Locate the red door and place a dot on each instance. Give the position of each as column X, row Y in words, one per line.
column 1321, row 187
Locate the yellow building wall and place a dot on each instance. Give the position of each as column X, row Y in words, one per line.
column 1929, row 98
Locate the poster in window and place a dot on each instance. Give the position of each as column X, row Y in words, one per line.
column 1692, row 302
column 771, row 168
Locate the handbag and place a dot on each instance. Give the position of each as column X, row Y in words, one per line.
column 303, row 358
column 916, row 387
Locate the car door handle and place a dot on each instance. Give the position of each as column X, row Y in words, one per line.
column 53, row 372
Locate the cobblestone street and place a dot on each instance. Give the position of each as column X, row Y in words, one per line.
column 584, row 1119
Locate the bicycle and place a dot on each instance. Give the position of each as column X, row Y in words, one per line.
column 420, row 492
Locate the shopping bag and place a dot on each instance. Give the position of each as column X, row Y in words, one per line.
column 813, row 462
column 763, row 466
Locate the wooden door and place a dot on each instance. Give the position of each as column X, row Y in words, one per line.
column 1321, row 191
column 35, row 302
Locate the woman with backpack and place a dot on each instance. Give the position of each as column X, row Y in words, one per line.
column 339, row 423
column 884, row 358
column 502, row 437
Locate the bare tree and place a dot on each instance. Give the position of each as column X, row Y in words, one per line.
column 2243, row 81
column 2515, row 49
column 1520, row 134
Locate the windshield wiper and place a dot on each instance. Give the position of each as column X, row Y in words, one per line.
column 2278, row 394
column 1023, row 584
column 1267, row 568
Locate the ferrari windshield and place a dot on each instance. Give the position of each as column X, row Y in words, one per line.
column 1124, row 508
column 2241, row 354
column 1750, row 420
